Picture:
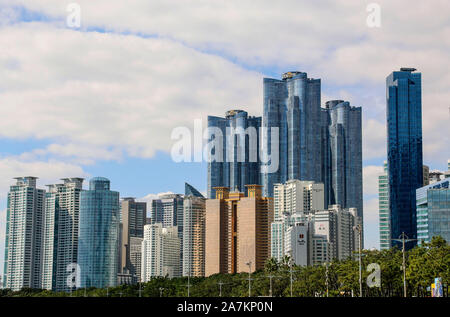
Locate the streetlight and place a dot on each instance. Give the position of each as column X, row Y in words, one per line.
column 220, row 283
column 326, row 276
column 249, row 278
column 161, row 289
column 404, row 238
column 270, row 279
column 358, row 228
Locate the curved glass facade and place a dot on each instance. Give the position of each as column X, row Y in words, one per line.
column 98, row 235
column 293, row 105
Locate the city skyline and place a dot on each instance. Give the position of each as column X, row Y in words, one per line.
column 137, row 162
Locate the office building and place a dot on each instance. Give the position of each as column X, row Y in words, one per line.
column 160, row 252
column 99, row 235
column 190, row 190
column 234, row 160
column 23, row 238
column 133, row 219
column 433, row 211
column 237, row 231
column 404, row 148
column 194, row 236
column 60, row 240
column 292, row 105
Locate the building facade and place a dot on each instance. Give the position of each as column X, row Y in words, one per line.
column 292, row 202
column 292, row 105
column 61, row 229
column 234, row 160
column 24, row 232
column 194, row 236
column 383, row 210
column 404, row 148
column 160, row 252
column 433, row 211
column 237, row 231
column 133, row 220
column 342, row 155
column 99, row 235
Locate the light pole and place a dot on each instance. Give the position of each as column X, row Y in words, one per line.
column 161, row 289
column 358, row 228
column 270, row 280
column 404, row 238
column 249, row 278
column 326, row 275
column 220, row 288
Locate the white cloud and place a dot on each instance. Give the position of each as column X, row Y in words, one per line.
column 94, row 92
column 49, row 172
column 371, row 224
column 370, row 179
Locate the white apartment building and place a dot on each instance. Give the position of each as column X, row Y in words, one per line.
column 23, row 240
column 160, row 252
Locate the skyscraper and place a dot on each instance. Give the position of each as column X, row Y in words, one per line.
column 293, row 106
column 160, row 252
column 190, row 190
column 404, row 148
column 235, row 160
column 134, row 216
column 60, row 241
column 194, row 236
column 342, row 155
column 99, row 235
column 383, row 210
column 23, row 240
column 237, row 231
column 168, row 210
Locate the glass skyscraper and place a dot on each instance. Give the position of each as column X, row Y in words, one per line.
column 292, row 105
column 404, row 148
column 342, row 155
column 99, row 235
column 433, row 211
column 239, row 164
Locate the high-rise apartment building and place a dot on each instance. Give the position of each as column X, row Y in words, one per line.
column 342, row 155
column 292, row 201
column 168, row 210
column 235, row 159
column 160, row 252
column 335, row 226
column 433, row 211
column 404, row 148
column 99, row 235
column 383, row 210
column 24, row 232
column 134, row 215
column 237, row 231
column 292, row 105
column 60, row 240
column 194, row 236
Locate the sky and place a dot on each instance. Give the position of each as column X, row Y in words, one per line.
column 102, row 99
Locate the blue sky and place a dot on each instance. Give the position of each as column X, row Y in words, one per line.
column 103, row 99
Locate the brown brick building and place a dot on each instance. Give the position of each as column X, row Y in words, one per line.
column 237, row 231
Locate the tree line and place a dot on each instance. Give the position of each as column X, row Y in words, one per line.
column 279, row 278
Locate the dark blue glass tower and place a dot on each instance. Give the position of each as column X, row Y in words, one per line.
column 240, row 158
column 98, row 235
column 404, row 149
column 293, row 105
